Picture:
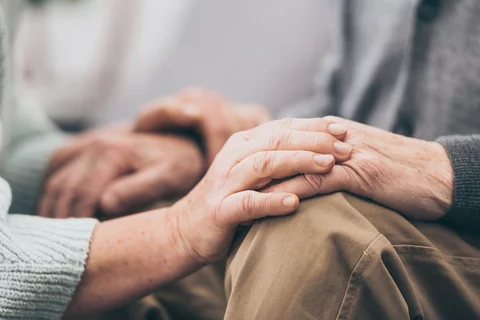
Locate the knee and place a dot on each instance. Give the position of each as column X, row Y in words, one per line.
column 325, row 228
column 324, row 220
column 310, row 253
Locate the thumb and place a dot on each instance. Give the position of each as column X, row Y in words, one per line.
column 168, row 115
column 245, row 206
column 133, row 192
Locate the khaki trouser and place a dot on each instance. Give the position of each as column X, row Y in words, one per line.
column 338, row 257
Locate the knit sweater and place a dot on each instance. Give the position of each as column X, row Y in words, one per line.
column 42, row 260
column 411, row 67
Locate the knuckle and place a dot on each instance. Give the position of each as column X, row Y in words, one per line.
column 235, row 139
column 52, row 186
column 101, row 141
column 247, row 203
column 265, row 204
column 112, row 202
column 323, row 138
column 286, row 122
column 117, row 158
column 313, row 181
column 107, row 142
column 84, row 193
column 277, row 138
column 297, row 157
column 319, row 122
column 262, row 163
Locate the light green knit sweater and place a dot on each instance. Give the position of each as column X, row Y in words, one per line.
column 42, row 260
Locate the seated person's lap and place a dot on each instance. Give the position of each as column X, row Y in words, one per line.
column 337, row 256
column 343, row 256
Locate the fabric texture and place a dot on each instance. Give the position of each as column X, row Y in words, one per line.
column 199, row 296
column 464, row 154
column 411, row 67
column 42, row 260
column 367, row 262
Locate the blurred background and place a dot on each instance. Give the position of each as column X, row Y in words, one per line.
column 91, row 62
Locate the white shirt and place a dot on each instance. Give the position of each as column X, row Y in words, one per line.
column 263, row 51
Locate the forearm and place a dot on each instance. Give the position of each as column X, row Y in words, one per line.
column 130, row 257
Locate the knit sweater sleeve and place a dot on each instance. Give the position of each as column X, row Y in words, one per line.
column 42, row 261
column 464, row 153
column 32, row 139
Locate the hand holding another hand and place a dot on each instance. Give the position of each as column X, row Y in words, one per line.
column 411, row 176
column 206, row 113
column 206, row 219
column 118, row 171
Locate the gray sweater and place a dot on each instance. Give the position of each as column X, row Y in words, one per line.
column 42, row 260
column 411, row 67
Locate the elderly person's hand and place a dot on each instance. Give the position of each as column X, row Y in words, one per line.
column 118, row 171
column 227, row 196
column 412, row 176
column 205, row 113
column 169, row 243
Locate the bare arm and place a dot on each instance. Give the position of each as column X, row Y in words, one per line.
column 130, row 257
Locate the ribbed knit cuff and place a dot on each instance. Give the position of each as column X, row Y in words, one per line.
column 464, row 153
column 42, row 265
column 24, row 168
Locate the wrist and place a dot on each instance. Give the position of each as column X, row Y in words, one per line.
column 130, row 257
column 179, row 237
column 442, row 181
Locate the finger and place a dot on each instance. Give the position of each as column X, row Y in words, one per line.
column 258, row 170
column 88, row 193
column 50, row 192
column 309, row 185
column 133, row 191
column 245, row 206
column 59, row 192
column 73, row 186
column 318, row 142
column 219, row 119
column 308, row 124
column 218, row 124
column 167, row 115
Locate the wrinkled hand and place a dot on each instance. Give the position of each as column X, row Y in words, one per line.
column 118, row 171
column 409, row 175
column 250, row 160
column 206, row 113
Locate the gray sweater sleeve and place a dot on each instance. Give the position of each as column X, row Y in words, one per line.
column 42, row 262
column 464, row 153
column 32, row 139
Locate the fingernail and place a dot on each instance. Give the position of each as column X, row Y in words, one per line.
column 336, row 129
column 342, row 148
column 289, row 201
column 323, row 160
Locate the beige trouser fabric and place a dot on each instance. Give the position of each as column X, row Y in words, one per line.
column 338, row 257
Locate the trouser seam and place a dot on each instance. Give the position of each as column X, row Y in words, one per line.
column 354, row 279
